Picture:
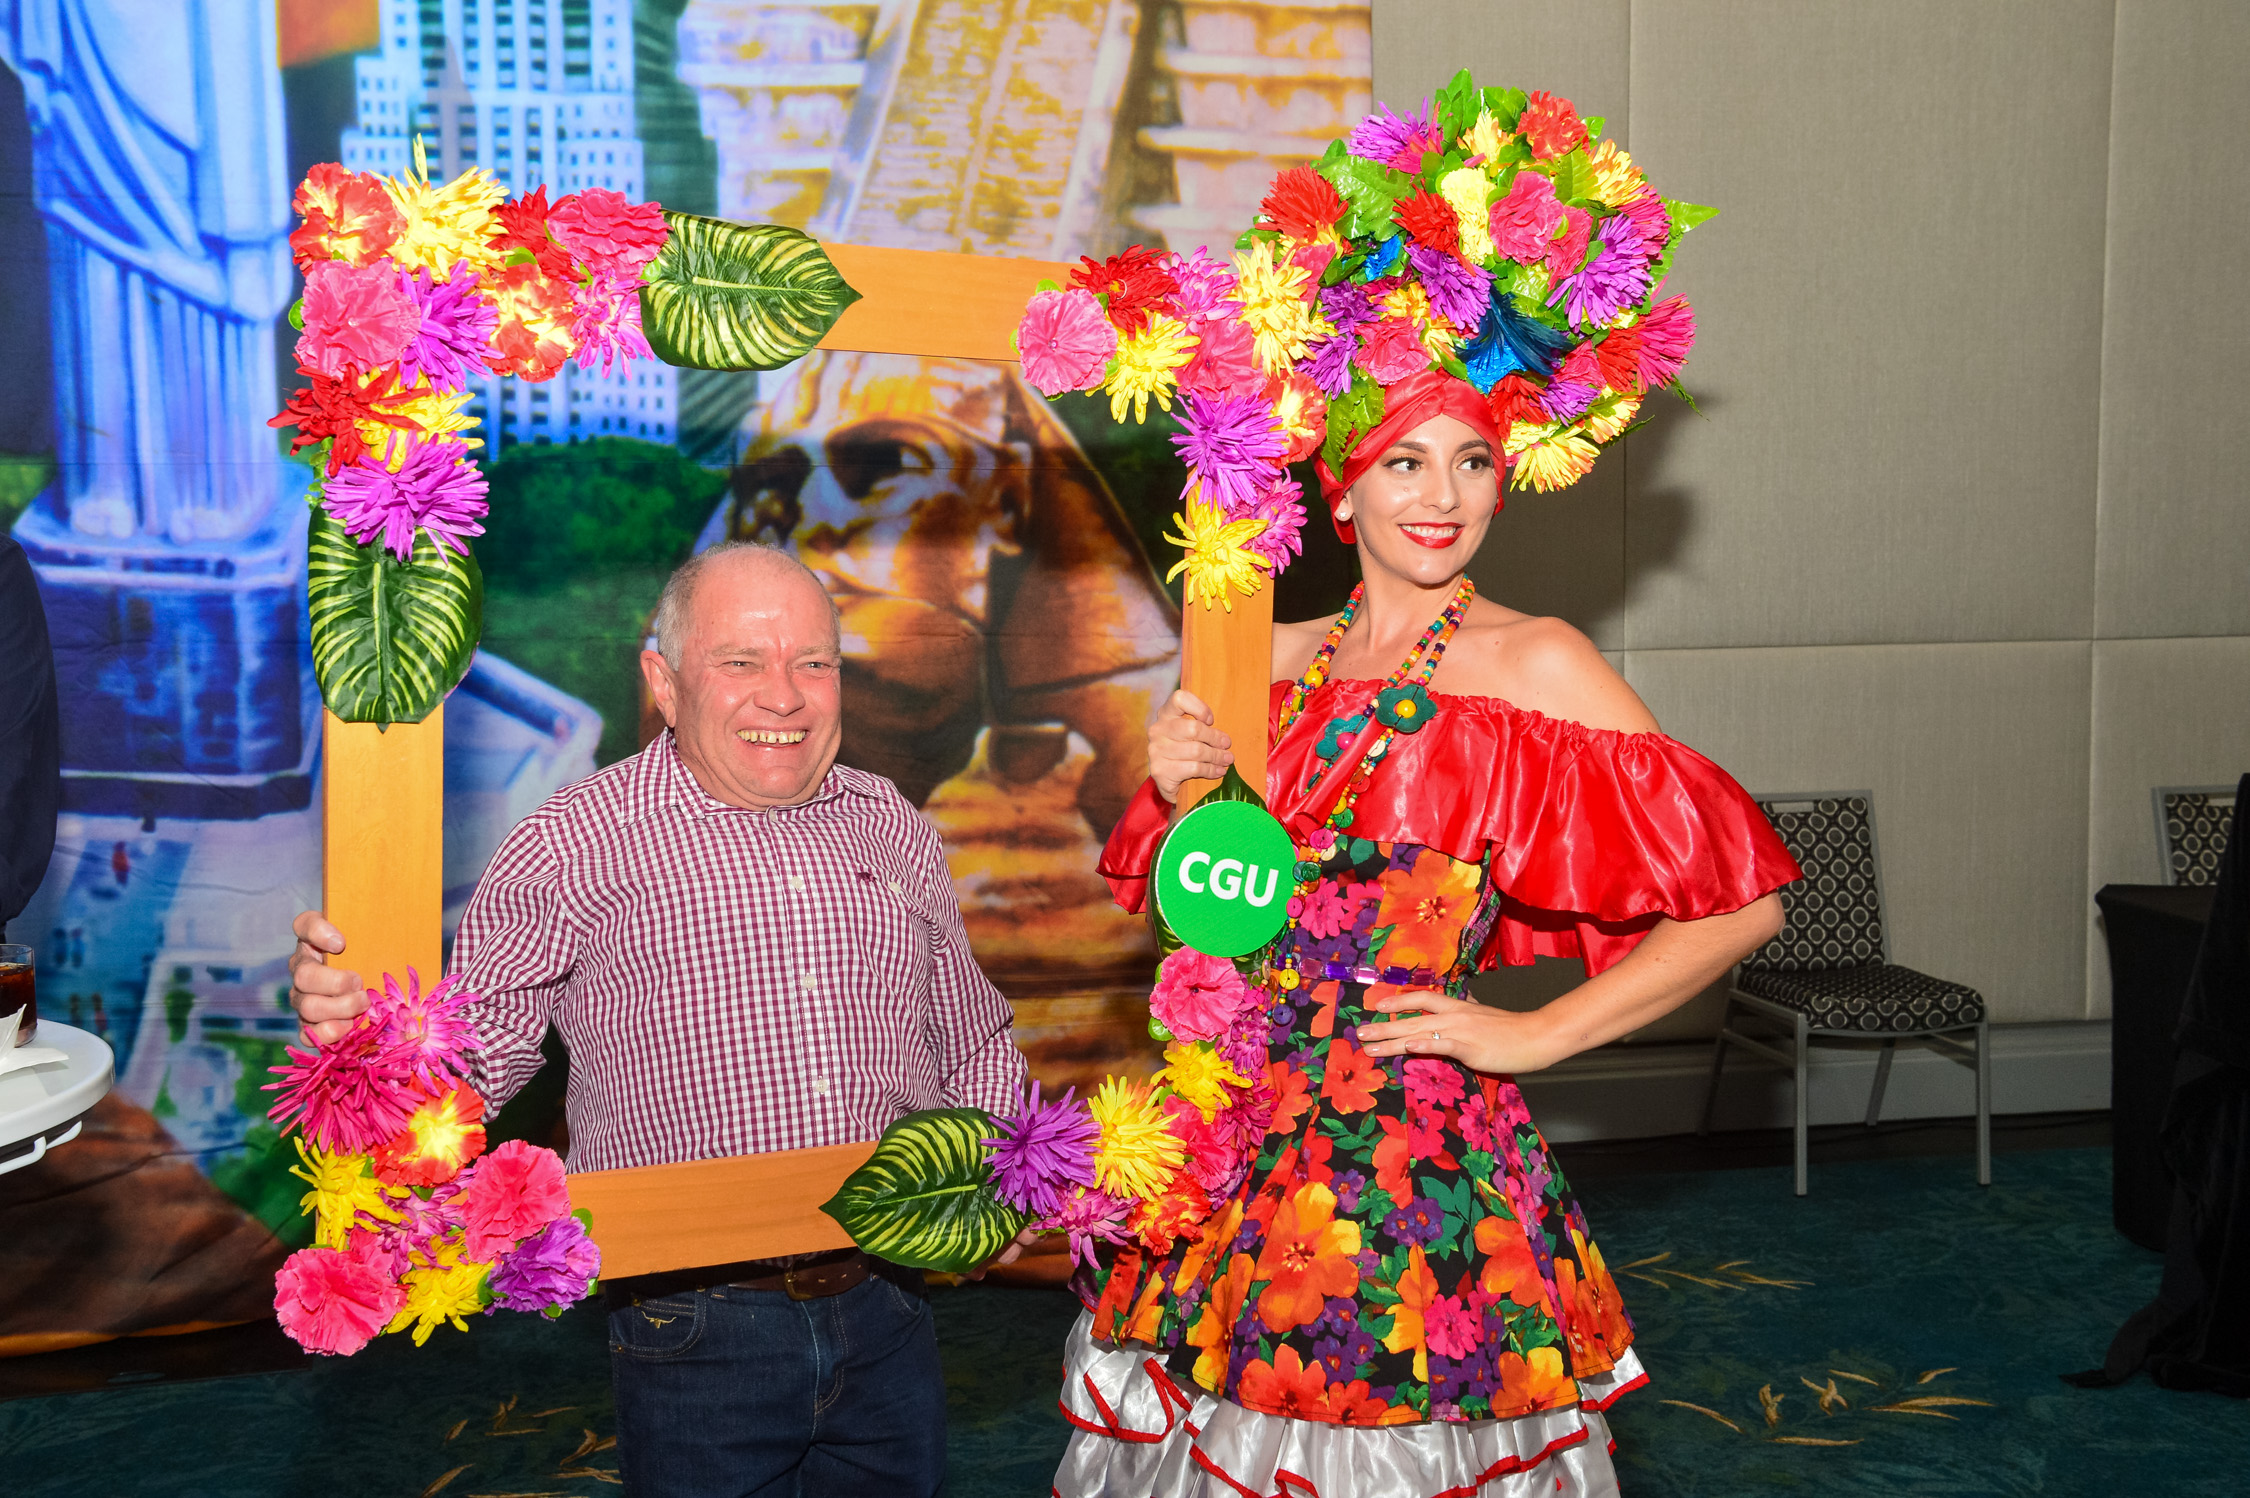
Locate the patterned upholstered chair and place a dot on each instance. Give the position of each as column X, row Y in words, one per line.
column 1829, row 972
column 2192, row 822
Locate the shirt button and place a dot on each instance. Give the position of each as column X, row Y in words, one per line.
column 820, row 1087
column 797, row 883
column 808, row 981
column 894, row 886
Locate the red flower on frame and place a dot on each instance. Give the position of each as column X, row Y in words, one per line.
column 331, row 408
column 1135, row 283
column 523, row 226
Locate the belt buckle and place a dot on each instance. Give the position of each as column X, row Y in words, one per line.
column 789, row 1287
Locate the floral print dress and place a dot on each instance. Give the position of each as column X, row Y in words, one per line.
column 1404, row 1251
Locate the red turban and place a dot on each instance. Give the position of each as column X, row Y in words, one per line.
column 1406, row 405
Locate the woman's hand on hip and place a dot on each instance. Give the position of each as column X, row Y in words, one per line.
column 1497, row 1041
column 1184, row 744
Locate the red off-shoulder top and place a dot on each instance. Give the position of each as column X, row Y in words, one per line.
column 1593, row 834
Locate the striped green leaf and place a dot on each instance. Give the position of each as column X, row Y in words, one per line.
column 389, row 638
column 738, row 296
column 921, row 1199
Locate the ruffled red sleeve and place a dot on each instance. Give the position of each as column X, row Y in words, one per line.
column 1593, row 835
column 1130, row 854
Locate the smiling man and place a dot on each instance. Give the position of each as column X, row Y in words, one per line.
column 746, row 947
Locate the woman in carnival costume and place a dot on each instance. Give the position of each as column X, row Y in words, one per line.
column 1392, row 1290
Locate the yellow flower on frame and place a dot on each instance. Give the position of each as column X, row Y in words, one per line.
column 343, row 1187
column 440, row 1290
column 1485, row 137
column 1137, row 1155
column 1196, row 1072
column 1218, row 564
column 444, row 226
column 1145, row 365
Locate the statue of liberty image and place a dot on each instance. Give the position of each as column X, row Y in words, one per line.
column 171, row 574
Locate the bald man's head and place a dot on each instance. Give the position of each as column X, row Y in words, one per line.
column 747, row 672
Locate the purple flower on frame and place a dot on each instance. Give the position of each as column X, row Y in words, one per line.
column 553, row 1267
column 1328, row 364
column 1567, row 400
column 456, row 328
column 1232, row 444
column 1206, row 286
column 435, row 490
column 1459, row 293
column 1041, row 1150
column 1346, row 306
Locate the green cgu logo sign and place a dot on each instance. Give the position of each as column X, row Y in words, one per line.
column 1224, row 878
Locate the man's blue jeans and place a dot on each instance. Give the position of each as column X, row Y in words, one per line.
column 731, row 1393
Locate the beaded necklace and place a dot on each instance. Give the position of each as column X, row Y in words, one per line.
column 1403, row 688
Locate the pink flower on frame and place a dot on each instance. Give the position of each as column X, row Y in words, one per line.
column 356, row 317
column 334, row 1301
column 509, row 1195
column 1065, row 342
column 1197, row 997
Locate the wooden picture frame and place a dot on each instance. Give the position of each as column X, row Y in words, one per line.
column 384, row 794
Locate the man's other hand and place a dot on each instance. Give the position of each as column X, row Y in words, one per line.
column 327, row 999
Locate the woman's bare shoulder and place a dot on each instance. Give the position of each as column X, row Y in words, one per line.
column 1540, row 664
column 1295, row 644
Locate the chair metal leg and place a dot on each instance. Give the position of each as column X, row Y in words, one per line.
column 1984, row 1104
column 1882, row 1079
column 1802, row 1105
column 1718, row 1064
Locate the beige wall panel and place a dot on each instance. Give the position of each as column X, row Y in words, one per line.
column 1575, row 50
column 1560, row 554
column 2166, row 712
column 1977, row 758
column 1901, row 307
column 2173, row 556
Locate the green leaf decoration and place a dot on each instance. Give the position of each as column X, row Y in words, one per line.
column 1686, row 216
column 389, row 638
column 1370, row 191
column 1594, row 124
column 921, row 1199
column 738, row 296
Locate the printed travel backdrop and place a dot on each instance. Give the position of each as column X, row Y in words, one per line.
column 1006, row 632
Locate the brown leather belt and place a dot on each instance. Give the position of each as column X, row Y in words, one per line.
column 815, row 1278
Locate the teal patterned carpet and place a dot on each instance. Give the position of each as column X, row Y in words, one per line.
column 1897, row 1333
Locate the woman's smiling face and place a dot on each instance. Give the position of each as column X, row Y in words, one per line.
column 1423, row 509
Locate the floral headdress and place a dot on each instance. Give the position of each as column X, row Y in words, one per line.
column 1490, row 235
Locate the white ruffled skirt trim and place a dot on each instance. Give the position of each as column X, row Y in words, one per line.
column 1139, row 1433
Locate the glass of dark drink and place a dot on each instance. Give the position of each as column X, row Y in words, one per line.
column 17, row 992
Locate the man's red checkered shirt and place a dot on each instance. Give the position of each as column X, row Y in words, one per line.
column 730, row 982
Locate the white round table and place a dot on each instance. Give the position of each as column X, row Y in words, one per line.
column 46, row 1105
